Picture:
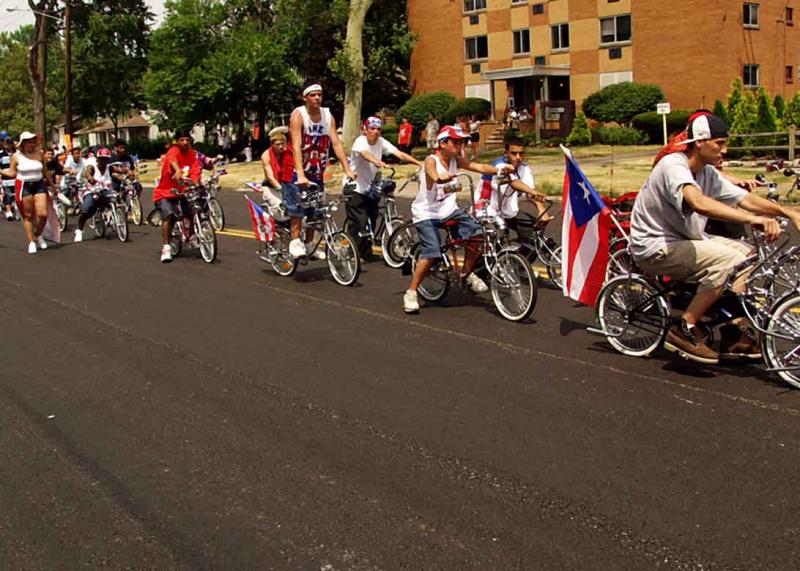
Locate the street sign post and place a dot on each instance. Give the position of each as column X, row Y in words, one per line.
column 664, row 109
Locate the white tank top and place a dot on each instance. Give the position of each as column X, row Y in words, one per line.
column 28, row 170
column 434, row 204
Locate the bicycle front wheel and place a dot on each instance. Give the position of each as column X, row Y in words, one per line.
column 436, row 284
column 781, row 343
column 619, row 263
column 343, row 259
column 208, row 241
column 120, row 219
column 61, row 215
column 554, row 268
column 136, row 210
column 633, row 316
column 400, row 244
column 514, row 289
column 98, row 224
column 216, row 214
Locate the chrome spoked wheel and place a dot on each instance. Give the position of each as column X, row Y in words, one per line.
column 208, row 241
column 401, row 243
column 634, row 319
column 619, row 263
column 136, row 210
column 120, row 219
column 436, row 284
column 554, row 268
column 98, row 224
column 388, row 230
column 513, row 286
column 216, row 214
column 61, row 215
column 282, row 262
column 343, row 259
column 175, row 241
column 781, row 345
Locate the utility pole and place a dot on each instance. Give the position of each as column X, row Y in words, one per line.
column 37, row 66
column 68, row 74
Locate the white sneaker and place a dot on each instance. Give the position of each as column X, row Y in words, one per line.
column 476, row 284
column 410, row 302
column 9, row 215
column 166, row 254
column 32, row 248
column 297, row 249
column 78, row 236
column 42, row 244
column 319, row 253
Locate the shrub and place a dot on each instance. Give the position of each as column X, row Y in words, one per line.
column 389, row 132
column 581, row 135
column 148, row 149
column 745, row 117
column 467, row 107
column 734, row 97
column 621, row 102
column 417, row 108
column 720, row 111
column 780, row 109
column 650, row 123
column 767, row 121
column 791, row 116
column 618, row 136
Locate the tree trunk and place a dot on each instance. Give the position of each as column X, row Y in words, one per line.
column 354, row 88
column 37, row 68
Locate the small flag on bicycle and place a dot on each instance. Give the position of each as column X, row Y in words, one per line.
column 263, row 223
column 584, row 236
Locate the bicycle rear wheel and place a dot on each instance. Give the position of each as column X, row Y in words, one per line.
column 436, row 284
column 781, row 343
column 208, row 241
column 634, row 318
column 282, row 262
column 216, row 214
column 343, row 259
column 120, row 219
column 514, row 289
column 386, row 235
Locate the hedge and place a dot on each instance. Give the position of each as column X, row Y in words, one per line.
column 417, row 108
column 618, row 136
column 651, row 124
column 467, row 107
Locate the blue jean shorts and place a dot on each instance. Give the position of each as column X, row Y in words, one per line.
column 291, row 200
column 32, row 188
column 430, row 238
column 90, row 204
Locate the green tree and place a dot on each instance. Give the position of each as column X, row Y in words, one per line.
column 110, row 42
column 720, row 111
column 621, row 102
column 767, row 120
column 734, row 97
column 745, row 117
column 580, row 135
column 780, row 109
column 791, row 115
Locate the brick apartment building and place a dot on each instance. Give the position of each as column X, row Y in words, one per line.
column 523, row 51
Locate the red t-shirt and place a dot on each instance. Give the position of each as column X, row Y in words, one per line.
column 167, row 183
column 404, row 133
column 282, row 168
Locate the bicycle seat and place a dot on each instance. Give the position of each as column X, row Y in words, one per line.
column 449, row 223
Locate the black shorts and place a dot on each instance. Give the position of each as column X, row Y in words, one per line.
column 169, row 206
column 475, row 137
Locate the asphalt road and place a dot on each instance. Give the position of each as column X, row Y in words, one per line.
column 198, row 416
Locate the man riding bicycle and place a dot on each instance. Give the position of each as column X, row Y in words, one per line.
column 179, row 167
column 127, row 166
column 367, row 159
column 312, row 132
column 502, row 198
column 435, row 207
column 98, row 182
column 667, row 235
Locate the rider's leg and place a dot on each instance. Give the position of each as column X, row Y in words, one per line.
column 423, row 266
column 700, row 304
column 166, row 229
column 430, row 250
column 88, row 208
column 472, row 252
column 357, row 222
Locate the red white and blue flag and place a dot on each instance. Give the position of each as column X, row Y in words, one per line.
column 584, row 236
column 263, row 223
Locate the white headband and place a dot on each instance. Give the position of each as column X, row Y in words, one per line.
column 312, row 89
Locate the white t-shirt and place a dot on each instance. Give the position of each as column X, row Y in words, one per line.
column 434, row 204
column 79, row 166
column 660, row 215
column 503, row 199
column 365, row 170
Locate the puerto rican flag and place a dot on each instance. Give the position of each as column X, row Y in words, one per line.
column 584, row 236
column 263, row 223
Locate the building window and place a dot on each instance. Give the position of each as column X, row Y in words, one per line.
column 522, row 42
column 560, row 36
column 616, row 29
column 750, row 75
column 473, row 20
column 475, row 68
column 538, row 8
column 789, row 74
column 472, row 5
column 519, row 2
column 615, row 77
column 750, row 15
column 789, row 18
column 477, row 48
column 539, row 60
column 615, row 53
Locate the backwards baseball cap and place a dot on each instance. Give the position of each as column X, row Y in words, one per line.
column 703, row 127
column 103, row 153
column 25, row 135
column 451, row 132
column 278, row 133
column 373, row 123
